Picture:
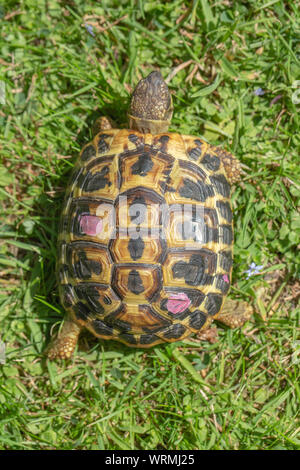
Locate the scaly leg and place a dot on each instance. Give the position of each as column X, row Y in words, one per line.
column 200, row 151
column 233, row 314
column 231, row 164
column 63, row 345
column 103, row 123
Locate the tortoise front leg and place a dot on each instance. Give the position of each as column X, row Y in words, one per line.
column 101, row 124
column 202, row 153
column 63, row 345
column 231, row 164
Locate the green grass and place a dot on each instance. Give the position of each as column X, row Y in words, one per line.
column 241, row 392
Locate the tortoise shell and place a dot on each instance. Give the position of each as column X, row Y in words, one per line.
column 145, row 245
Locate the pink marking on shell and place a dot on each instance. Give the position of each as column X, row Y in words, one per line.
column 91, row 225
column 225, row 278
column 177, row 303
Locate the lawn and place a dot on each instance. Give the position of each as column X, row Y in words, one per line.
column 234, row 72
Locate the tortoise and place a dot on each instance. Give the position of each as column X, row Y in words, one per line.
column 146, row 237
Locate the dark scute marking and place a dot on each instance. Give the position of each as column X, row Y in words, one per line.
column 101, row 328
column 222, row 284
column 82, row 311
column 88, row 152
column 107, row 300
column 210, row 234
column 180, row 269
column 143, row 165
column 102, row 145
column 192, row 272
column 137, row 210
column 82, row 270
column 85, row 267
column 64, row 223
column 121, row 325
column 194, row 168
column 175, row 331
column 95, row 304
column 75, row 175
column 148, row 339
column 197, row 319
column 199, row 191
column 67, row 295
column 211, row 215
column 213, row 303
column 130, row 339
column 225, row 210
column 63, row 271
column 159, row 323
column 210, row 260
column 194, row 295
column 96, row 266
column 199, row 270
column 133, row 138
column 212, row 162
column 195, row 152
column 97, row 181
column 136, row 248
column 135, row 283
column 199, row 232
column 207, row 279
column 169, row 188
column 226, row 234
column 164, row 139
column 221, row 184
column 80, row 180
column 91, row 295
column 226, row 260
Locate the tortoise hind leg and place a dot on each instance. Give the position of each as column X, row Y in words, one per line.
column 62, row 347
column 233, row 314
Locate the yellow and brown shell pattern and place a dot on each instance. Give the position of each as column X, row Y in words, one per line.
column 145, row 246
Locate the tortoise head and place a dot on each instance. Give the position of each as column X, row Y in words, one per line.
column 151, row 105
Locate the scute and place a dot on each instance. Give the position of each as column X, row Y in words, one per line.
column 145, row 248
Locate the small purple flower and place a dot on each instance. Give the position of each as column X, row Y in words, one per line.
column 89, row 29
column 259, row 92
column 253, row 269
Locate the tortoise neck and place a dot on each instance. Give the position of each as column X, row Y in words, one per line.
column 148, row 126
